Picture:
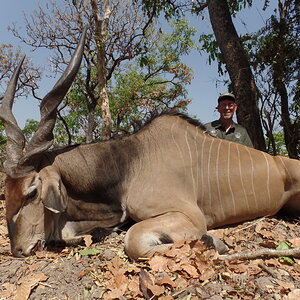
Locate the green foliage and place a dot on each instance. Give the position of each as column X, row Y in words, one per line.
column 73, row 122
column 237, row 5
column 164, row 50
column 3, row 140
column 285, row 246
column 170, row 8
column 153, row 81
column 30, row 128
column 279, row 144
column 2, row 136
column 210, row 45
column 177, row 8
column 266, row 49
column 274, row 55
column 89, row 252
column 156, row 81
column 135, row 97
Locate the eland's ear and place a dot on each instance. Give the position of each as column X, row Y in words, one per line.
column 54, row 193
column 31, row 185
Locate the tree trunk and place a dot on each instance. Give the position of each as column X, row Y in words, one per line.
column 100, row 38
column 291, row 137
column 238, row 69
column 91, row 124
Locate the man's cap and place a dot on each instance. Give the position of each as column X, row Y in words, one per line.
column 226, row 96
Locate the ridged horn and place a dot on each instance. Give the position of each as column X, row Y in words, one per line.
column 15, row 138
column 43, row 138
column 20, row 156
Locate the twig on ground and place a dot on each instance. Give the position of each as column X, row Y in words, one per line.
column 252, row 223
column 269, row 271
column 295, row 252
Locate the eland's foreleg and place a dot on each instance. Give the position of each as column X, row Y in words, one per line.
column 157, row 234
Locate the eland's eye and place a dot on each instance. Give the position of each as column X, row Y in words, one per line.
column 32, row 194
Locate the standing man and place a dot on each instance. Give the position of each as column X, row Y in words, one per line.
column 225, row 128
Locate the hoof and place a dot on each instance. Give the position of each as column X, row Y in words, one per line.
column 212, row 241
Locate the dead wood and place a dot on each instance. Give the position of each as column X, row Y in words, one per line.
column 269, row 271
column 295, row 252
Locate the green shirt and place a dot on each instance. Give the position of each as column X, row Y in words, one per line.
column 236, row 133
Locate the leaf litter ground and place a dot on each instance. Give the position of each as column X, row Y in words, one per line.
column 188, row 270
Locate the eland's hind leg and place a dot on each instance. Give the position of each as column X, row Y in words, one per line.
column 158, row 233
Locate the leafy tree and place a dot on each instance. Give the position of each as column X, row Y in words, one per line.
column 136, row 97
column 275, row 55
column 157, row 81
column 150, row 83
column 127, row 37
column 231, row 53
column 57, row 26
column 76, row 117
column 279, row 147
column 238, row 67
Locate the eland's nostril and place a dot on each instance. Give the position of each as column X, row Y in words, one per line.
column 18, row 253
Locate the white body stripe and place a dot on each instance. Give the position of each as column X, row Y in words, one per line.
column 229, row 181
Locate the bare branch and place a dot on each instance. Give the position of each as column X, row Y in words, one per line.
column 295, row 252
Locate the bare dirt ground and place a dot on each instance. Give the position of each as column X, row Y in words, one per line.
column 189, row 270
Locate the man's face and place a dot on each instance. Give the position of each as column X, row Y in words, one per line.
column 227, row 108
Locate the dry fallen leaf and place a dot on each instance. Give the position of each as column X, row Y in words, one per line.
column 285, row 285
column 44, row 254
column 190, row 270
column 158, row 263
column 134, row 287
column 168, row 297
column 114, row 265
column 179, row 243
column 295, row 242
column 83, row 273
column 9, row 290
column 120, row 280
column 199, row 247
column 207, row 274
column 172, row 252
column 293, row 295
column 181, row 283
column 147, row 286
column 156, row 290
column 265, row 229
column 87, row 240
column 238, row 268
column 27, row 283
column 166, row 280
column 145, row 282
column 116, row 293
column 3, row 230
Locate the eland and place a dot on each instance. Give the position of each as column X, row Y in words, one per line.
column 171, row 177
